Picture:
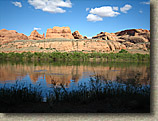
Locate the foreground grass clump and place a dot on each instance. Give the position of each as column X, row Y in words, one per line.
column 97, row 89
column 18, row 94
column 75, row 56
column 98, row 95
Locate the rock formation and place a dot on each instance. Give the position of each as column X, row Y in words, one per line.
column 105, row 36
column 11, row 35
column 59, row 32
column 134, row 38
column 85, row 37
column 132, row 32
column 134, row 35
column 77, row 35
column 35, row 36
column 138, row 39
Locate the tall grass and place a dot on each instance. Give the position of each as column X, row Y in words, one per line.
column 19, row 93
column 99, row 90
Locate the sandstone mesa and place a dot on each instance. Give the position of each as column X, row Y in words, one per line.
column 59, row 32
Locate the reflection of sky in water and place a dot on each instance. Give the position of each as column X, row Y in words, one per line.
column 42, row 85
column 40, row 70
column 71, row 75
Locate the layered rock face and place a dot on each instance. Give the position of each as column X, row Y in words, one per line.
column 105, row 36
column 134, row 38
column 134, row 35
column 65, row 46
column 77, row 35
column 35, row 36
column 59, row 32
column 132, row 32
column 11, row 35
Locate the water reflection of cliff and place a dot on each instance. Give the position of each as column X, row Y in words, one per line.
column 66, row 74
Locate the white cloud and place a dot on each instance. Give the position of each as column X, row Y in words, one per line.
column 140, row 11
column 18, row 4
column 92, row 17
column 125, row 8
column 115, row 8
column 105, row 11
column 36, row 28
column 52, row 6
column 147, row 3
column 97, row 14
column 87, row 9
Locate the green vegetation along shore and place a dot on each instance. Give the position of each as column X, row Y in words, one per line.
column 75, row 56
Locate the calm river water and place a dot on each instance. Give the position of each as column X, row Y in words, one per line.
column 72, row 73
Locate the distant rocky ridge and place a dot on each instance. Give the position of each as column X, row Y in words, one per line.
column 132, row 35
column 132, row 39
column 10, row 35
column 102, row 42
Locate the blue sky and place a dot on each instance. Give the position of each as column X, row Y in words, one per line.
column 89, row 17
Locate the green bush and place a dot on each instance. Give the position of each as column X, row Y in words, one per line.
column 123, row 51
